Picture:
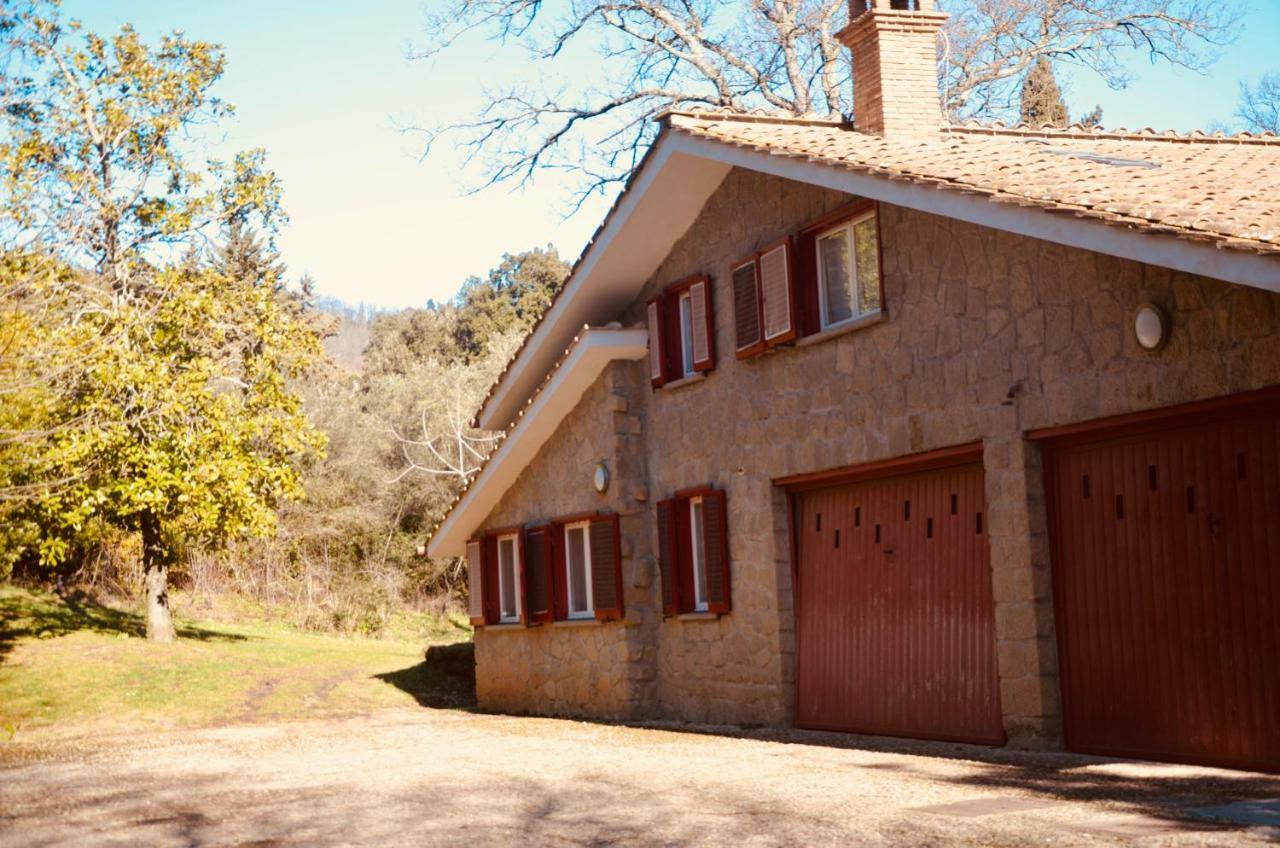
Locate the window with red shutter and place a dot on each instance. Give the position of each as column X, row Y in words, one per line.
column 538, row 559
column 668, row 556
column 746, row 307
column 682, row 339
column 606, row 567
column 693, row 552
column 475, row 582
column 776, row 295
column 703, row 326
column 492, row 608
column 559, row 587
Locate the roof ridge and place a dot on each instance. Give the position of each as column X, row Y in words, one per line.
column 753, row 117
column 1079, row 130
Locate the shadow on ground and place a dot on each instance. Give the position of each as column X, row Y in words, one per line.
column 445, row 679
column 29, row 617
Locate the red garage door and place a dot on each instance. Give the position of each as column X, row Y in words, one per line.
column 895, row 631
column 1167, row 587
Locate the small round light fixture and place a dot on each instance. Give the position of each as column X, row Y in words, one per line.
column 1150, row 327
column 601, row 478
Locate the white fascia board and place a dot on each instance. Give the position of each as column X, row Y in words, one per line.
column 595, row 349
column 1235, row 266
column 655, row 211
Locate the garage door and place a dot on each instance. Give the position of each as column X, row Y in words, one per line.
column 1166, row 559
column 895, row 632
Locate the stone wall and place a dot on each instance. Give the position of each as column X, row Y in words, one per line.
column 985, row 335
column 591, row 669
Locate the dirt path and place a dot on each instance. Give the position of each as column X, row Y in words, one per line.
column 450, row 778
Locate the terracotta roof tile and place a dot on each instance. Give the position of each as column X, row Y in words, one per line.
column 1222, row 189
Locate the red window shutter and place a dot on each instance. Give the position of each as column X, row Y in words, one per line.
column 704, row 330
column 668, row 557
column 776, row 293
column 559, row 591
column 746, row 308
column 606, row 567
column 538, row 570
column 657, row 342
column 715, row 537
column 475, row 582
column 522, row 579
column 808, row 306
column 492, row 602
column 684, row 555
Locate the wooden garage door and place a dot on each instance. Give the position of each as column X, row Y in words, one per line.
column 895, row 632
column 1167, row 591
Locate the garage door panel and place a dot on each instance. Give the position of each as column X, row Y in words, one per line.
column 1165, row 577
column 896, row 629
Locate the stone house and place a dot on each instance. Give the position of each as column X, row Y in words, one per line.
column 956, row 432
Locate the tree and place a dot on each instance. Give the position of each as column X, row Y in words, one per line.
column 779, row 55
column 164, row 406
column 244, row 256
column 1042, row 103
column 1260, row 104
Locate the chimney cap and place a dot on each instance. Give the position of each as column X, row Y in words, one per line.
column 858, row 7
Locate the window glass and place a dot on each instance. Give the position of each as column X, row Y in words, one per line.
column 507, row 570
column 577, row 557
column 699, row 566
column 836, row 277
column 686, row 334
column 867, row 253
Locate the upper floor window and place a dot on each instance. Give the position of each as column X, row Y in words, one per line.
column 848, row 271
column 681, row 331
column 509, row 578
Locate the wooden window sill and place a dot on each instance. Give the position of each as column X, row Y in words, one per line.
column 836, row 332
column 686, row 381
column 698, row 616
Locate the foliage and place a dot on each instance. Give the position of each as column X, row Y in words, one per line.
column 1042, row 104
column 780, row 55
column 1260, row 104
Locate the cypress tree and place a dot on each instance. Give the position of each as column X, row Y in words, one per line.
column 1042, row 103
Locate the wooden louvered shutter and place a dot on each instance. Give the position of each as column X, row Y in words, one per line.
column 538, row 573
column 715, row 538
column 475, row 582
column 704, row 331
column 683, row 525
column 559, row 591
column 606, row 567
column 668, row 557
column 657, row 342
column 808, row 305
column 492, row 601
column 746, row 308
column 777, row 297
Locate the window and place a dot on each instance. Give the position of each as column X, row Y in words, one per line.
column 825, row 276
column 698, row 535
column 567, row 569
column 577, row 545
column 681, row 331
column 693, row 546
column 848, row 271
column 509, row 578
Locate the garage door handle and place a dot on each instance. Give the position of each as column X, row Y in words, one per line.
column 888, row 551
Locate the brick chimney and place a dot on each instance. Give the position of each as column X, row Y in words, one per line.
column 895, row 65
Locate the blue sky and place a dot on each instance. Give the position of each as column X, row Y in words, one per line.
column 324, row 86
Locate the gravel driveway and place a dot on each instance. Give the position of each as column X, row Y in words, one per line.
column 454, row 778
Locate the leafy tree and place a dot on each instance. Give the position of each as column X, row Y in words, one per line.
column 779, row 55
column 1042, row 103
column 165, row 405
column 1260, row 104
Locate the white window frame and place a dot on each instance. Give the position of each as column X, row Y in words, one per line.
column 698, row 542
column 686, row 332
column 503, row 618
column 847, row 226
column 590, row 611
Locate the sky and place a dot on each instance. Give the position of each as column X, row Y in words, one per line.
column 327, row 88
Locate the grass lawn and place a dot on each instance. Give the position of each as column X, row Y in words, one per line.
column 71, row 669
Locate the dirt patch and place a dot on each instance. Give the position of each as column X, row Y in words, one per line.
column 435, row 777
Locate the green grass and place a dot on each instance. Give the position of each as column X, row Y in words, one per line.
column 75, row 668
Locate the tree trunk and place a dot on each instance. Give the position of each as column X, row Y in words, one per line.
column 155, row 566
